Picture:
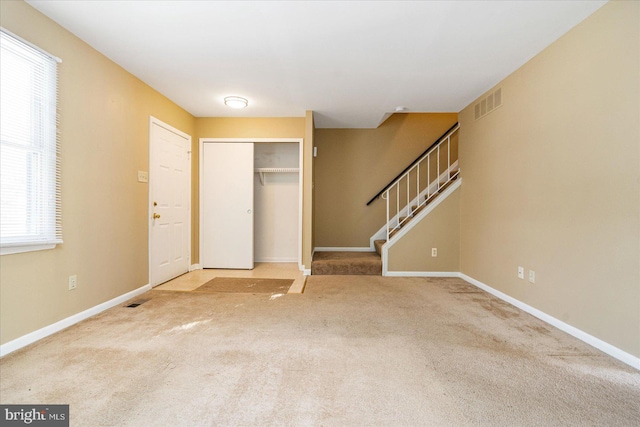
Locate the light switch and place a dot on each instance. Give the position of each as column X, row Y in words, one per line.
column 143, row 176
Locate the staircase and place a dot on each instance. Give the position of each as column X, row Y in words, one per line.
column 423, row 182
column 415, row 210
column 346, row 263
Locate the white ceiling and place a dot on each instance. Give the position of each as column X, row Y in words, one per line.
column 348, row 61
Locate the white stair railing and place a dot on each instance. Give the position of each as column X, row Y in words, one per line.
column 414, row 189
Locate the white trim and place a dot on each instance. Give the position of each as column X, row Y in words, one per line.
column 342, row 249
column 277, row 259
column 404, row 230
column 423, row 274
column 300, row 199
column 195, row 267
column 160, row 123
column 306, row 271
column 18, row 249
column 32, row 337
column 607, row 348
column 300, row 142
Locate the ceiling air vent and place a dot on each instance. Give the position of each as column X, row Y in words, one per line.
column 487, row 104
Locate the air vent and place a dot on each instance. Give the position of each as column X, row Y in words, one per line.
column 137, row 303
column 487, row 104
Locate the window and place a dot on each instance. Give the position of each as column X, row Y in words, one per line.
column 30, row 214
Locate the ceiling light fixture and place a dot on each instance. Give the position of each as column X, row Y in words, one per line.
column 235, row 102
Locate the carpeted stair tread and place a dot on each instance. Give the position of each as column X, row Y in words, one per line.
column 433, row 195
column 378, row 245
column 346, row 263
column 445, row 186
column 418, row 209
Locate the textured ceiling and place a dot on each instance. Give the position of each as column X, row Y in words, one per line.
column 351, row 62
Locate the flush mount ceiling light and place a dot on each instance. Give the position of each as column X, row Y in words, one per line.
column 235, row 102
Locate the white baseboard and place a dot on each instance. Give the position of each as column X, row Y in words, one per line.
column 423, row 274
column 343, row 249
column 277, row 259
column 32, row 337
column 605, row 347
column 195, row 267
column 305, row 271
column 416, row 220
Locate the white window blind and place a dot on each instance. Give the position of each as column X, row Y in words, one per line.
column 30, row 208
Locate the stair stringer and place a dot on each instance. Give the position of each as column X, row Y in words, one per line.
column 419, row 217
column 381, row 234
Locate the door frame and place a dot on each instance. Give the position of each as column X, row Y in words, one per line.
column 300, row 142
column 158, row 122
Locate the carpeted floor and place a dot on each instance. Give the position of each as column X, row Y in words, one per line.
column 350, row 351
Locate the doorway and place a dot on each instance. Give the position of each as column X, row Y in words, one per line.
column 169, row 202
column 266, row 174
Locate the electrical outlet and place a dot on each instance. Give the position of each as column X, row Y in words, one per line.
column 73, row 282
column 434, row 252
column 520, row 272
column 532, row 276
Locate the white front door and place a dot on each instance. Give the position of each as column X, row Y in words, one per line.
column 226, row 201
column 169, row 203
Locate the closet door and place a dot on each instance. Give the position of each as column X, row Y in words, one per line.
column 227, row 205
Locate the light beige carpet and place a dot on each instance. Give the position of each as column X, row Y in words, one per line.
column 350, row 351
column 246, row 285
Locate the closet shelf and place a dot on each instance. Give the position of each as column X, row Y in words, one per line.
column 262, row 171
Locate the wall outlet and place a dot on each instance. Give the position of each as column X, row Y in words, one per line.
column 143, row 176
column 532, row 276
column 73, row 282
column 520, row 272
column 434, row 252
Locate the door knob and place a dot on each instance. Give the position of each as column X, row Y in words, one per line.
column 249, row 211
column 156, row 216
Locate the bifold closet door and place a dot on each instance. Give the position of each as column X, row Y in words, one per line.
column 227, row 205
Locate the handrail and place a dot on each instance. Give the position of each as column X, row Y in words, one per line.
column 417, row 160
column 409, row 206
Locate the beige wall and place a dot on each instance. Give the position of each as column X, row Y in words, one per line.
column 439, row 229
column 233, row 127
column 552, row 180
column 354, row 164
column 104, row 125
column 250, row 127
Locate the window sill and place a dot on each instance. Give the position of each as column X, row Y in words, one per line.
column 8, row 250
